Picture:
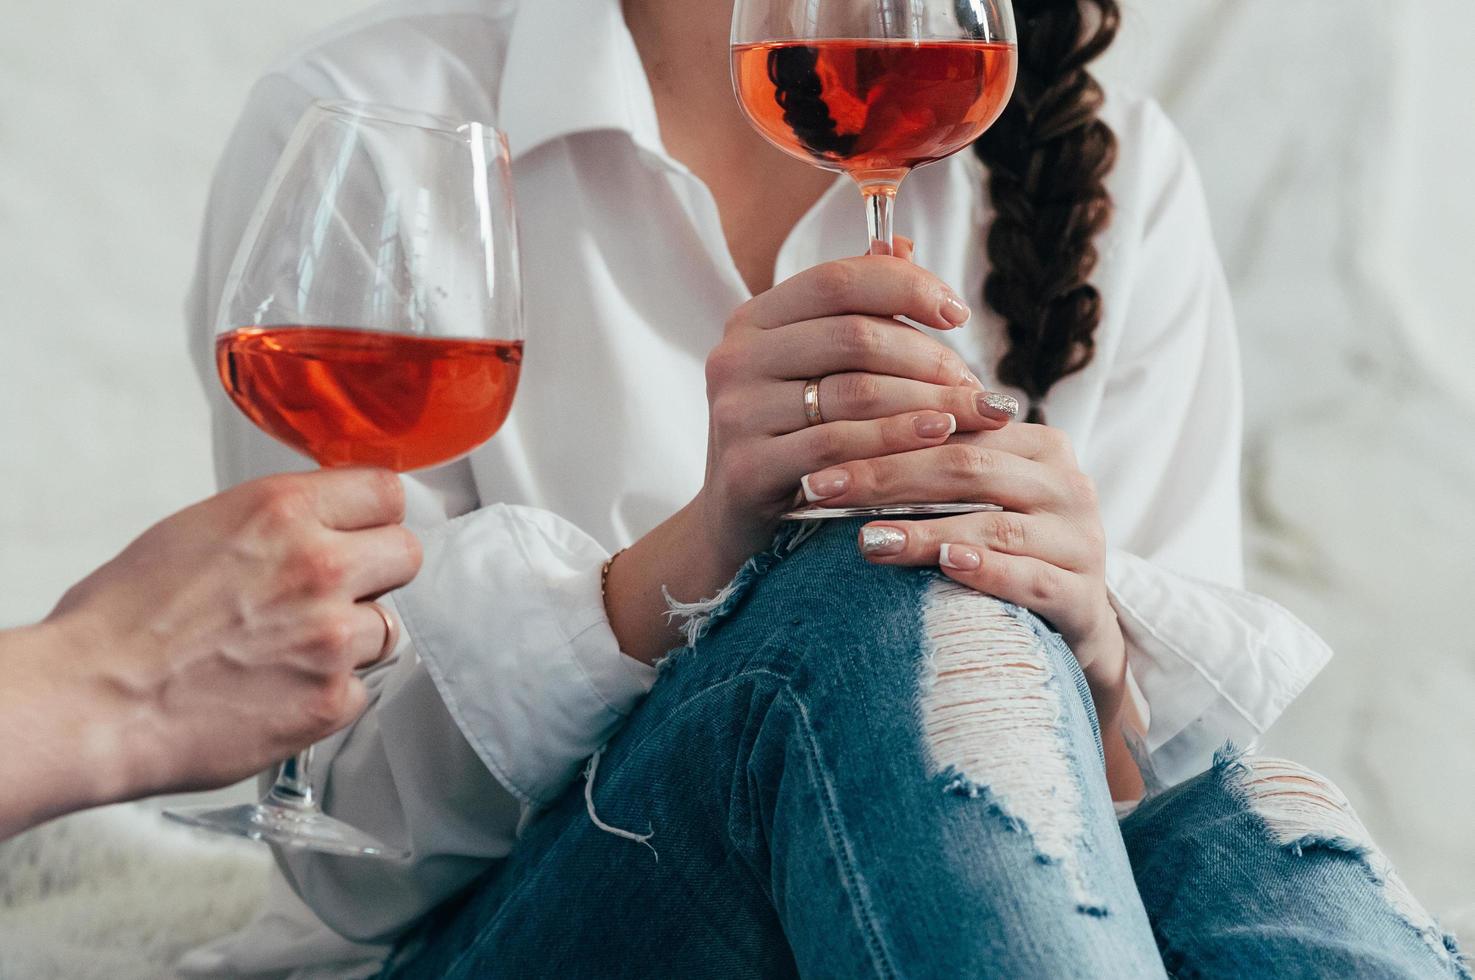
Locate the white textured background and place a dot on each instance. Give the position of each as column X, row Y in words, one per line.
column 1338, row 165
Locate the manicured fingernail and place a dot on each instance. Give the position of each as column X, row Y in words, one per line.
column 881, row 541
column 824, row 485
column 959, row 557
column 969, row 378
column 935, row 425
column 1001, row 408
column 953, row 309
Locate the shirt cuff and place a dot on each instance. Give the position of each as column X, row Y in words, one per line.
column 1213, row 664
column 507, row 614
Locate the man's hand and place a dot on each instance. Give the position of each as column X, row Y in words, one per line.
column 222, row 640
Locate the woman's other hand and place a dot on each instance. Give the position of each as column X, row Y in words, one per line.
column 1046, row 551
column 884, row 388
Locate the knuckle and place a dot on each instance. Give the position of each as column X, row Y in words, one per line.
column 829, row 443
column 1043, row 587
column 332, row 639
column 728, row 413
column 1007, row 533
column 283, row 501
column 948, row 367
column 921, row 292
column 967, row 462
column 1082, row 490
column 738, row 319
column 333, row 701
column 860, row 394
column 1055, row 441
column 866, row 479
column 321, row 569
column 722, row 366
column 855, row 338
column 833, row 282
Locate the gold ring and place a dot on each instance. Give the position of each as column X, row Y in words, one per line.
column 812, row 414
column 391, row 630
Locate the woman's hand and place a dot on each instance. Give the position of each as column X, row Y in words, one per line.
column 884, row 387
column 1046, row 551
column 226, row 637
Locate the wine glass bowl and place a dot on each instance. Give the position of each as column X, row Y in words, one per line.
column 873, row 88
column 372, row 316
column 374, row 313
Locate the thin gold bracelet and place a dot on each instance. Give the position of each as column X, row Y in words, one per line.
column 604, row 576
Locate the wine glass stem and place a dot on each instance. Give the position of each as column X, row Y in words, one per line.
column 293, row 787
column 880, row 199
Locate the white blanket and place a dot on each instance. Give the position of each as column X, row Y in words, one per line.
column 118, row 894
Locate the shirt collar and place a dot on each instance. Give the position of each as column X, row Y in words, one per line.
column 572, row 67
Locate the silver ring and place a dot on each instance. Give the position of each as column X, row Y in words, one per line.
column 812, row 414
column 391, row 630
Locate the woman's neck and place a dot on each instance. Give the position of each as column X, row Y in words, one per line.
column 760, row 192
column 684, row 46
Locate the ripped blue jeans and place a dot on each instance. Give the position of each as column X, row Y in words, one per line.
column 871, row 772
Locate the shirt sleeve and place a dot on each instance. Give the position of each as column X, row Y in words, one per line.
column 1212, row 663
column 507, row 676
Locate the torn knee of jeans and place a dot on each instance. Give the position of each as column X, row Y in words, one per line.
column 992, row 719
column 1303, row 810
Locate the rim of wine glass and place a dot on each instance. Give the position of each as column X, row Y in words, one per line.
column 415, row 118
column 1007, row 33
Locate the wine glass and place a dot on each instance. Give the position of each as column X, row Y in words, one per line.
column 373, row 316
column 874, row 89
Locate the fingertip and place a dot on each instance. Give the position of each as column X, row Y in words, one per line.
column 881, row 541
column 953, row 310
column 958, row 558
column 997, row 408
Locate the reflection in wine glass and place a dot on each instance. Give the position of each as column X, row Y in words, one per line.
column 373, row 316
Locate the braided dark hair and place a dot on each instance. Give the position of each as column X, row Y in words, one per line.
column 1048, row 157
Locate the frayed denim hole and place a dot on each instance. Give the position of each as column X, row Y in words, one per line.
column 697, row 618
column 1300, row 810
column 1056, row 645
column 994, row 724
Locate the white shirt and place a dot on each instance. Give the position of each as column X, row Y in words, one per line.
column 509, row 676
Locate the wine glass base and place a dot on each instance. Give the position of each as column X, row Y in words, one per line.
column 307, row 829
column 896, row 510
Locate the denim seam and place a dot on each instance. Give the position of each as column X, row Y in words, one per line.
column 860, row 907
